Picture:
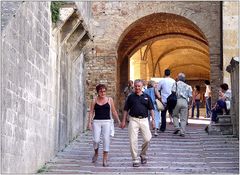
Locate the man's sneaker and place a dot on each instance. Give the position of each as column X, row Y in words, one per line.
column 136, row 164
column 143, row 160
column 155, row 133
column 162, row 130
column 176, row 131
column 206, row 129
column 182, row 134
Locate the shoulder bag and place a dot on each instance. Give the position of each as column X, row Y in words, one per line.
column 172, row 100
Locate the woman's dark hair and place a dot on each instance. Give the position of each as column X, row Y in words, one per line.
column 197, row 87
column 224, row 86
column 207, row 82
column 100, row 86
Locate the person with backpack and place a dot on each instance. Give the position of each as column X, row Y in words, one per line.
column 164, row 87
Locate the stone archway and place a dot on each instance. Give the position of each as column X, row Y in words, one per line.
column 169, row 41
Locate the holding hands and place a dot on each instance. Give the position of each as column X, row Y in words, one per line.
column 123, row 124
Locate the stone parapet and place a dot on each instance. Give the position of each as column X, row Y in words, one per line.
column 224, row 126
column 233, row 69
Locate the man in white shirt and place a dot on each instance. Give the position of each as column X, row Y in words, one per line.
column 208, row 98
column 165, row 87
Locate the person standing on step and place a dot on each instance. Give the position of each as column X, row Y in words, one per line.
column 99, row 121
column 164, row 87
column 145, row 83
column 137, row 105
column 207, row 96
column 154, row 94
column 129, row 89
column 184, row 95
column 196, row 100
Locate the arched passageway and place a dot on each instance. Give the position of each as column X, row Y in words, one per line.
column 160, row 41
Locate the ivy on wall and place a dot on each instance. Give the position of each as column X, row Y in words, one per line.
column 55, row 6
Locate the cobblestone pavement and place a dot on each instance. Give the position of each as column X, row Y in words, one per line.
column 195, row 153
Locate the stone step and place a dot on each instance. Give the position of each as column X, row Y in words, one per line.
column 220, row 129
column 224, row 119
column 196, row 153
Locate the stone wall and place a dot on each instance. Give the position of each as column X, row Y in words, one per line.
column 230, row 35
column 86, row 12
column 8, row 11
column 78, row 97
column 28, row 105
column 101, row 70
column 110, row 20
column 42, row 91
column 71, row 100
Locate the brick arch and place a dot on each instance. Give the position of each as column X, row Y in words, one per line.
column 153, row 26
column 167, row 36
column 179, row 48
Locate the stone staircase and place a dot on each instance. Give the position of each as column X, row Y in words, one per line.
column 195, row 153
column 223, row 126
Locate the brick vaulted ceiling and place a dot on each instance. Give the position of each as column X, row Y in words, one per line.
column 174, row 42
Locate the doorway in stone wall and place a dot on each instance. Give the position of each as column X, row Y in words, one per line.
column 160, row 41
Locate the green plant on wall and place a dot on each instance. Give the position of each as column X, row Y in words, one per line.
column 55, row 6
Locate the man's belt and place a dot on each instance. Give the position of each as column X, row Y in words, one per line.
column 139, row 116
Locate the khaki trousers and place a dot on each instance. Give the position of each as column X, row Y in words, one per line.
column 136, row 125
column 180, row 111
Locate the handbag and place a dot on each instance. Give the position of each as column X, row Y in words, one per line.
column 160, row 106
column 112, row 130
column 172, row 100
column 228, row 104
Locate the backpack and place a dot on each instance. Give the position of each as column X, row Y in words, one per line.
column 172, row 101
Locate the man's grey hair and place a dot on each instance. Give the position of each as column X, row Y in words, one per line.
column 150, row 83
column 181, row 77
column 138, row 81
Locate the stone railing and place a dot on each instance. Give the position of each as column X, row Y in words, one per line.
column 233, row 69
column 224, row 126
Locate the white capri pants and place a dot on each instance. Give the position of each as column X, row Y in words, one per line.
column 104, row 127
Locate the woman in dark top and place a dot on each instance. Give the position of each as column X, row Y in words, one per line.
column 100, row 120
